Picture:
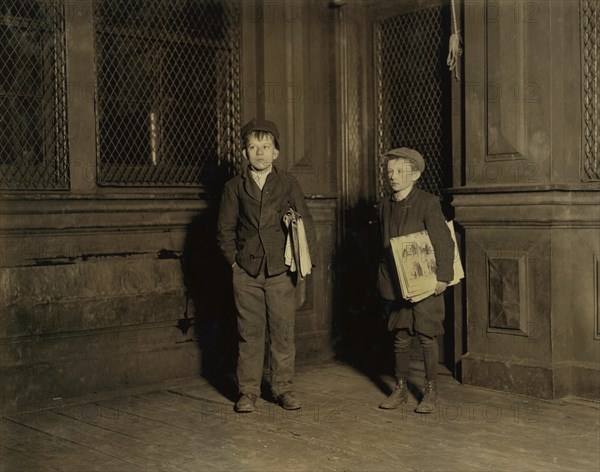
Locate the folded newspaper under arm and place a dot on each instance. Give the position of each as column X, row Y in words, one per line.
column 296, row 253
column 416, row 265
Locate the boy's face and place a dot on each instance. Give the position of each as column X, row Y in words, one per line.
column 401, row 175
column 260, row 152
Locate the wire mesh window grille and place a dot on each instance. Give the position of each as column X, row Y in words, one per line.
column 168, row 91
column 591, row 107
column 413, row 95
column 33, row 126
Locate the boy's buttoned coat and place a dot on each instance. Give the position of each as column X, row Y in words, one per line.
column 419, row 211
column 251, row 225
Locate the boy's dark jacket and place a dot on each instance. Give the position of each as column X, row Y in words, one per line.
column 420, row 211
column 251, row 223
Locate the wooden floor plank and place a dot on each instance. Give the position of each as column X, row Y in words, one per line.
column 222, row 423
column 374, row 441
column 482, row 423
column 52, row 452
column 192, row 426
column 345, row 434
column 16, row 460
column 134, row 453
column 191, row 440
column 501, row 416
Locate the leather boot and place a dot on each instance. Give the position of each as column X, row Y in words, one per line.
column 398, row 396
column 430, row 397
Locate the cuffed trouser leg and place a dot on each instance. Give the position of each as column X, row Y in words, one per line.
column 281, row 313
column 249, row 297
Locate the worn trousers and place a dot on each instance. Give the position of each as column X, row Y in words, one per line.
column 265, row 301
column 402, row 340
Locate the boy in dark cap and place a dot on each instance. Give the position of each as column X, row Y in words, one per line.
column 409, row 210
column 252, row 237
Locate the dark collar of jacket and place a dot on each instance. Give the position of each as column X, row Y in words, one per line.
column 408, row 199
column 413, row 203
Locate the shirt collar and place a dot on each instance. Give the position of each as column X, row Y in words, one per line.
column 249, row 173
column 263, row 174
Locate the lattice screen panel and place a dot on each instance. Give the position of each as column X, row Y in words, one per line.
column 412, row 92
column 33, row 126
column 168, row 90
column 591, row 107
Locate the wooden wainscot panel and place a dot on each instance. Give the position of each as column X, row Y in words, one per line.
column 313, row 295
column 507, row 291
column 505, row 82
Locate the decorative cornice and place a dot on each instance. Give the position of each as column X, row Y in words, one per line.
column 556, row 208
column 502, row 189
column 117, row 213
column 527, row 199
column 97, row 214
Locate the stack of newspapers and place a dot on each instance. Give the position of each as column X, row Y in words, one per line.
column 416, row 265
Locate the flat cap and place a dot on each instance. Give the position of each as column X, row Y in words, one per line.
column 410, row 154
column 258, row 124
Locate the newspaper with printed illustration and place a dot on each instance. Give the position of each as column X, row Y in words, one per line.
column 416, row 265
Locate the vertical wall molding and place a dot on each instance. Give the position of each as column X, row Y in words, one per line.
column 505, row 85
column 293, row 94
column 597, row 296
column 349, row 110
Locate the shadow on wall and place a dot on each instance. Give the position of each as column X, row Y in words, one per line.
column 207, row 278
column 359, row 331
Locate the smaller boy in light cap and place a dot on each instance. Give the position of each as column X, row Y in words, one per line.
column 410, row 210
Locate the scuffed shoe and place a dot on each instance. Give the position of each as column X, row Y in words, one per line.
column 430, row 397
column 398, row 396
column 246, row 403
column 288, row 401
